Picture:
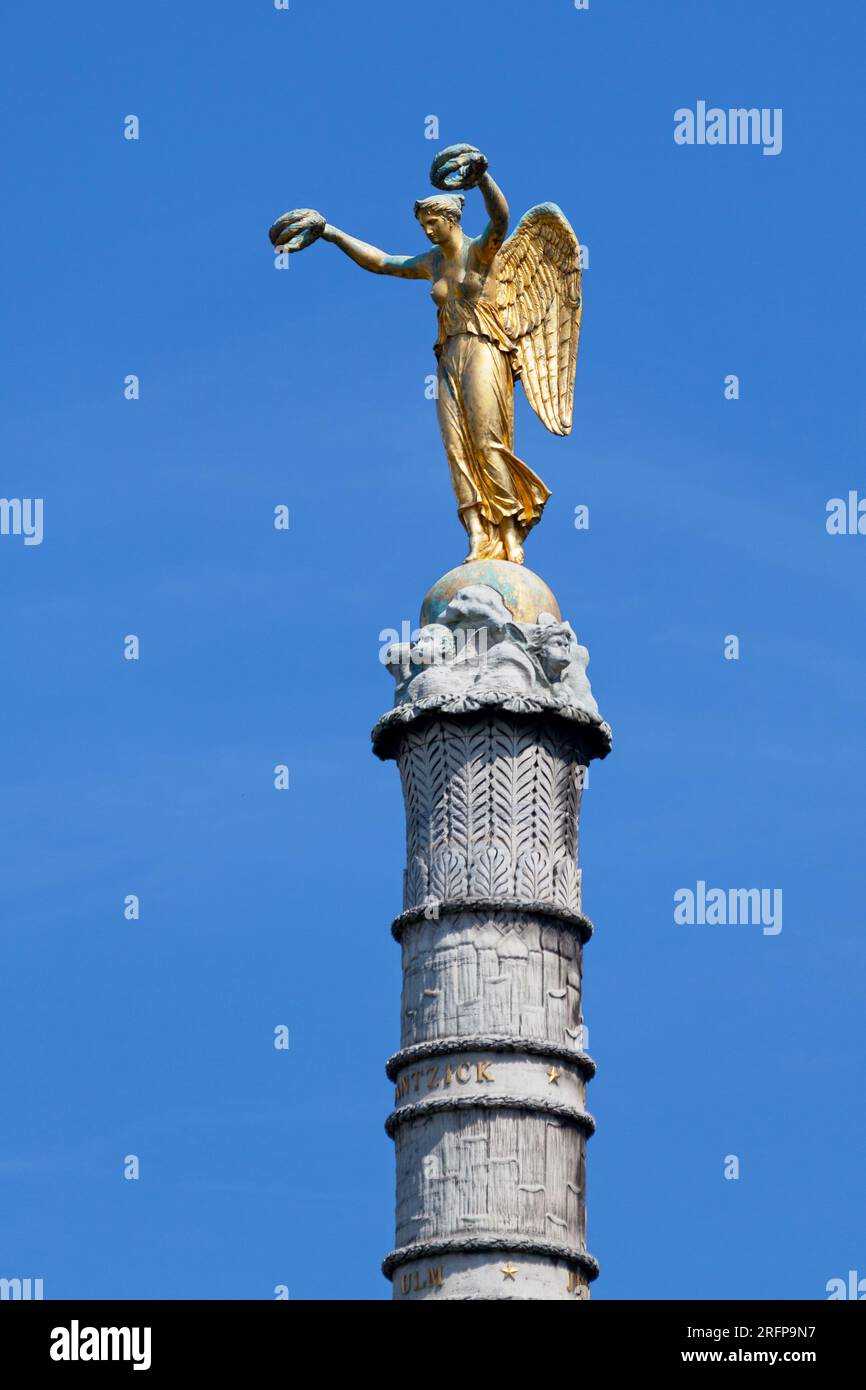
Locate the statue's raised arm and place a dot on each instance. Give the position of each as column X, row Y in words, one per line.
column 300, row 228
column 506, row 309
column 462, row 166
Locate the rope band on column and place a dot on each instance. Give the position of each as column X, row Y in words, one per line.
column 489, row 1042
column 475, row 1245
column 446, row 907
column 424, row 1108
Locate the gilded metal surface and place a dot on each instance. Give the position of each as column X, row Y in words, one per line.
column 507, row 309
column 524, row 593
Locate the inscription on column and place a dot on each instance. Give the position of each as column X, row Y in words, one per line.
column 436, row 1078
column 419, row 1281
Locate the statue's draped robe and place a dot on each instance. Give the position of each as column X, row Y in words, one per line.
column 477, row 366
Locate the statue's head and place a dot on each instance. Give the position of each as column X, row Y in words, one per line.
column 552, row 645
column 439, row 214
column 477, row 607
column 433, row 646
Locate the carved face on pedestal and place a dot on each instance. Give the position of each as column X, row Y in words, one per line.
column 477, row 608
column 434, row 646
column 553, row 650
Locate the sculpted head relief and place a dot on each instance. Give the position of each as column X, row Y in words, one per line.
column 478, row 652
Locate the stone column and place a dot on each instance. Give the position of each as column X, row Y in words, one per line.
column 489, row 1121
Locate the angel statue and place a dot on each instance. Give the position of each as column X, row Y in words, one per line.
column 507, row 309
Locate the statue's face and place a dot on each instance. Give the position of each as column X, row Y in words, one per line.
column 433, row 647
column 556, row 655
column 436, row 226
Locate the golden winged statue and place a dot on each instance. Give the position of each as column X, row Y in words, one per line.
column 508, row 307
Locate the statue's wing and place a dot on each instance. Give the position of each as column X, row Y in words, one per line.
column 538, row 272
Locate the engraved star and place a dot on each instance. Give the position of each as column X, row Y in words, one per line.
column 553, row 1075
column 509, row 1271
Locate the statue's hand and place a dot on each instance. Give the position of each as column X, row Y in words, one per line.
column 458, row 166
column 297, row 229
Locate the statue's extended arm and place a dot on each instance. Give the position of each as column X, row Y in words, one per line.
column 496, row 230
column 371, row 258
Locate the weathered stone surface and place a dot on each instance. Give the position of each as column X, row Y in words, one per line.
column 489, row 1121
column 488, row 1171
column 495, row 972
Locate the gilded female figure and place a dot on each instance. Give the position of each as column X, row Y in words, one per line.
column 507, row 309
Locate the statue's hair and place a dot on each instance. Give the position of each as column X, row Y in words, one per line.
column 542, row 633
column 448, row 205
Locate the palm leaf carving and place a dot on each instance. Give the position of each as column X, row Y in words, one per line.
column 533, row 875
column 491, row 873
column 448, row 876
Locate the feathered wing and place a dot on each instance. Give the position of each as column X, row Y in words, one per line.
column 538, row 296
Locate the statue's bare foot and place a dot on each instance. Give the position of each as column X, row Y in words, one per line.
column 481, row 548
column 511, row 544
column 479, row 541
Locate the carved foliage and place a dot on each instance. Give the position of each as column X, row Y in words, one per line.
column 491, row 872
column 448, row 876
column 492, row 808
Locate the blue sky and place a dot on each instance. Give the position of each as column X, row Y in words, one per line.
column 306, row 387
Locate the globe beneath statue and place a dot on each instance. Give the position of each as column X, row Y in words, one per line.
column 523, row 593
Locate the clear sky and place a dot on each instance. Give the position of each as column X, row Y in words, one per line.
column 305, row 387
